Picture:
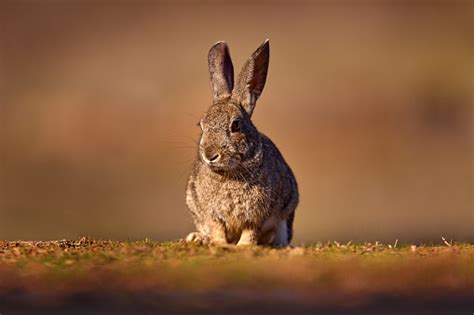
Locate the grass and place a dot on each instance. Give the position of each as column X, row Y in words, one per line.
column 175, row 277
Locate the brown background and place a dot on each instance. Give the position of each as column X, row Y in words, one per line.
column 370, row 102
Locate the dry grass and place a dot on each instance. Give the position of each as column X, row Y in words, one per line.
column 177, row 277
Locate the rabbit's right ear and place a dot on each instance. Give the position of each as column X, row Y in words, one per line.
column 221, row 71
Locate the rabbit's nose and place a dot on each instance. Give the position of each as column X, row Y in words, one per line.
column 211, row 157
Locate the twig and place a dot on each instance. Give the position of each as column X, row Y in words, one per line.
column 446, row 242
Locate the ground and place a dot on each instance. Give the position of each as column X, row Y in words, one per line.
column 89, row 276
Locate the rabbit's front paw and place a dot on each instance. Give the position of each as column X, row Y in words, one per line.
column 248, row 238
column 198, row 238
column 218, row 237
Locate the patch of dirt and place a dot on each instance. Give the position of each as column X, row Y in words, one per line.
column 96, row 276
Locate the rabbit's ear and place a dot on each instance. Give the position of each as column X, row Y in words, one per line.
column 252, row 78
column 221, row 71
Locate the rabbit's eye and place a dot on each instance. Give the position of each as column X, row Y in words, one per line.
column 235, row 126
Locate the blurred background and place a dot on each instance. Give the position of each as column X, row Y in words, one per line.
column 370, row 102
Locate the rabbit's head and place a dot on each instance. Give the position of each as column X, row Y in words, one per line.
column 229, row 140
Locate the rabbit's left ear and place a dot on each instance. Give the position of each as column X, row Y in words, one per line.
column 252, row 78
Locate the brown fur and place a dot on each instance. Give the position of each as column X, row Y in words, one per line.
column 240, row 190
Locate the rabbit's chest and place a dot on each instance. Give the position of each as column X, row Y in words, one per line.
column 237, row 203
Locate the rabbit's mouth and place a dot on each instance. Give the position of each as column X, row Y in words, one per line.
column 222, row 165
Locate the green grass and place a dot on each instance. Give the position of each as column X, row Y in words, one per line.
column 329, row 275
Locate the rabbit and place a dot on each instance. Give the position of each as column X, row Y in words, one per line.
column 240, row 190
